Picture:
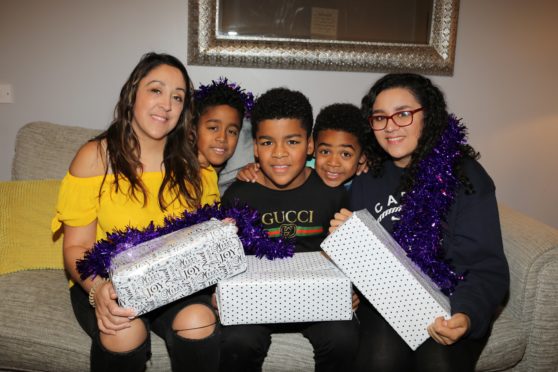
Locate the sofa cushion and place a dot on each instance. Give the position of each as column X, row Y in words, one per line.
column 25, row 238
column 289, row 352
column 37, row 321
column 45, row 150
column 505, row 347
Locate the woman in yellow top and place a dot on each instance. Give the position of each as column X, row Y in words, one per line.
column 141, row 169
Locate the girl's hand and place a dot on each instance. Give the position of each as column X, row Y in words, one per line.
column 110, row 316
column 449, row 331
column 339, row 218
column 249, row 173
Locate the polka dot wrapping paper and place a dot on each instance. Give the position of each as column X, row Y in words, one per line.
column 173, row 266
column 407, row 299
column 306, row 287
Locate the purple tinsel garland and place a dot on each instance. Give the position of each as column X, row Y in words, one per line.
column 419, row 230
column 253, row 236
column 247, row 97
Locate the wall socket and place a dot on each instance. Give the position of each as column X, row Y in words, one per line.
column 6, row 93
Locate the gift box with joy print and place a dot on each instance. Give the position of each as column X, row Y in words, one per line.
column 173, row 266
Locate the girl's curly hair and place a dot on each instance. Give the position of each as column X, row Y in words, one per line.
column 431, row 99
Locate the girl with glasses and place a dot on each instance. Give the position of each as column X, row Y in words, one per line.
column 427, row 189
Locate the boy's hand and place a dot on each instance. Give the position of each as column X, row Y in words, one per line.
column 356, row 301
column 214, row 301
column 339, row 218
column 362, row 167
column 231, row 221
column 449, row 331
column 249, row 173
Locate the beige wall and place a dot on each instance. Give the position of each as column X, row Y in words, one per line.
column 68, row 59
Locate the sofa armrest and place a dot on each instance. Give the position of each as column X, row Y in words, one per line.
column 531, row 248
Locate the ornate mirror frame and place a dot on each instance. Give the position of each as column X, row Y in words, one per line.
column 206, row 47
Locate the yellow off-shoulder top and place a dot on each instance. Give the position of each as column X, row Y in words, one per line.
column 79, row 203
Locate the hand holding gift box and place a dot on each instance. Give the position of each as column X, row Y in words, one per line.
column 380, row 269
column 175, row 265
column 306, row 287
column 138, row 249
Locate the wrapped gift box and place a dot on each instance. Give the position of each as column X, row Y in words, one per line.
column 305, row 287
column 173, row 266
column 377, row 265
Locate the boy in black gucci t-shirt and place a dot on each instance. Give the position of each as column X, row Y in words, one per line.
column 303, row 212
column 293, row 202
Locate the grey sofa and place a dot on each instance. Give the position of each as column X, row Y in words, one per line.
column 38, row 331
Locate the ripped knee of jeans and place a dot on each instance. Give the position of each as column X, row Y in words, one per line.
column 195, row 322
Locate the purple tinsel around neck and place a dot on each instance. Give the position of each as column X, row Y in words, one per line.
column 253, row 236
column 247, row 97
column 419, row 230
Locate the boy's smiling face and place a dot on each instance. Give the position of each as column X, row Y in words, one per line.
column 218, row 128
column 281, row 147
column 338, row 154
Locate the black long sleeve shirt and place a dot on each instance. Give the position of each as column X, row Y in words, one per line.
column 472, row 238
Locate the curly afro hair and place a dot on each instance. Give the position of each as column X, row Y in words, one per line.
column 344, row 117
column 282, row 103
column 219, row 93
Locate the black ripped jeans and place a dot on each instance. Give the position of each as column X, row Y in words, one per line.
column 185, row 354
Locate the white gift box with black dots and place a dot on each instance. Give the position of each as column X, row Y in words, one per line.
column 377, row 265
column 159, row 271
column 306, row 287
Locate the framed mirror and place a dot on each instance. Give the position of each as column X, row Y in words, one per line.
column 338, row 35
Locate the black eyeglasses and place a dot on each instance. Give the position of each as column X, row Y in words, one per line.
column 400, row 118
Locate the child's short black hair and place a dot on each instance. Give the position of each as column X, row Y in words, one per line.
column 282, row 103
column 343, row 117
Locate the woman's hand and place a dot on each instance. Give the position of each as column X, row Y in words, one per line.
column 110, row 316
column 449, row 331
column 339, row 218
column 249, row 173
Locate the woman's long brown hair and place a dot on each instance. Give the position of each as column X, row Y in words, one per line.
column 182, row 170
